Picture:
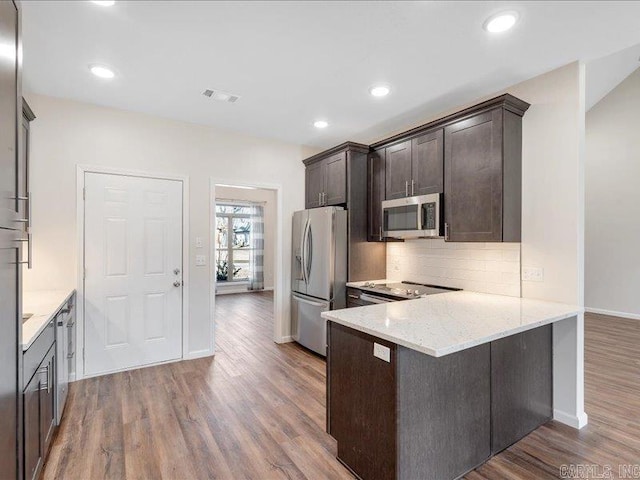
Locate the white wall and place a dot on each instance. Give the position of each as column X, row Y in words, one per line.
column 268, row 197
column 67, row 133
column 481, row 267
column 553, row 219
column 612, row 257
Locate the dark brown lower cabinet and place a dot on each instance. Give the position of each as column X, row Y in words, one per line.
column 33, row 448
column 362, row 407
column 39, row 416
column 521, row 385
column 421, row 417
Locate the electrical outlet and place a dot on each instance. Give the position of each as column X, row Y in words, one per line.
column 199, row 242
column 201, row 260
column 533, row 274
column 382, row 352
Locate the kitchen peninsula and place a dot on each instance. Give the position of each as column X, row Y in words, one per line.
column 433, row 387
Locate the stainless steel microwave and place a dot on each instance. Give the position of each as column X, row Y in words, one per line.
column 413, row 217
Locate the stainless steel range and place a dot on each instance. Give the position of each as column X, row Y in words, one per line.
column 370, row 293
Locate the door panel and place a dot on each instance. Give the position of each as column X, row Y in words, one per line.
column 8, row 115
column 309, row 328
column 428, row 163
column 473, row 176
column 133, row 243
column 362, row 403
column 298, row 282
column 47, row 400
column 336, row 180
column 32, row 427
column 9, row 325
column 319, row 250
column 376, row 192
column 398, row 170
column 314, row 177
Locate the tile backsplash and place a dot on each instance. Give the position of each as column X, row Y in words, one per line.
column 480, row 267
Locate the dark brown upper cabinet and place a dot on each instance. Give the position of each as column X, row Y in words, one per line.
column 483, row 176
column 427, row 167
column 415, row 166
column 326, row 181
column 339, row 176
column 398, row 170
column 315, row 180
column 475, row 157
column 336, row 180
column 376, row 194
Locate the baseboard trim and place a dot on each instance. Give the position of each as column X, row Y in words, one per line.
column 613, row 313
column 576, row 421
column 285, row 339
column 232, row 291
column 199, row 354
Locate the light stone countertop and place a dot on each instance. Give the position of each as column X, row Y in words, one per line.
column 449, row 322
column 44, row 305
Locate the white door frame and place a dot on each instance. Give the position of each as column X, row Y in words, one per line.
column 278, row 286
column 80, row 174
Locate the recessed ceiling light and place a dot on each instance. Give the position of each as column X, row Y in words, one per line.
column 379, row 90
column 501, row 22
column 104, row 3
column 101, row 71
column 321, row 124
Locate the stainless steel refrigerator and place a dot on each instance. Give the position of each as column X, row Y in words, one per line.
column 318, row 273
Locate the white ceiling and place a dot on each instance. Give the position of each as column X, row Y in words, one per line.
column 295, row 62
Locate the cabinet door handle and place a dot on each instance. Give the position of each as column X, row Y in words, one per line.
column 380, row 233
column 406, row 188
column 446, row 231
column 412, row 185
column 319, row 198
column 354, row 296
column 46, row 370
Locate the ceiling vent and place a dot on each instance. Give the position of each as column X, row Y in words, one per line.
column 221, row 96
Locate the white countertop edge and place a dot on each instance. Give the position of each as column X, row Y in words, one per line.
column 41, row 320
column 457, row 347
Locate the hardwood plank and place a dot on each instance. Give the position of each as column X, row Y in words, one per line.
column 257, row 410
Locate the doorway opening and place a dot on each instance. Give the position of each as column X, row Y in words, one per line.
column 244, row 252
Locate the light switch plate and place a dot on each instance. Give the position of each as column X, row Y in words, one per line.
column 201, row 260
column 382, row 352
column 533, row 274
column 199, row 242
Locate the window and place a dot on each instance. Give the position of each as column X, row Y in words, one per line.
column 233, row 242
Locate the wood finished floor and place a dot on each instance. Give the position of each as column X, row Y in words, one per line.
column 256, row 411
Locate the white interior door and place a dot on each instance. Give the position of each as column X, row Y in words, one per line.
column 133, row 271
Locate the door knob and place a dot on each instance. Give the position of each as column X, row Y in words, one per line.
column 176, row 271
column 177, row 283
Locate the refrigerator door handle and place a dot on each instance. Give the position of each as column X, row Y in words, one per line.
column 309, row 257
column 303, row 253
column 309, row 302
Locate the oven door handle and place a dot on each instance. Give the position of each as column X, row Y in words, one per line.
column 365, row 297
